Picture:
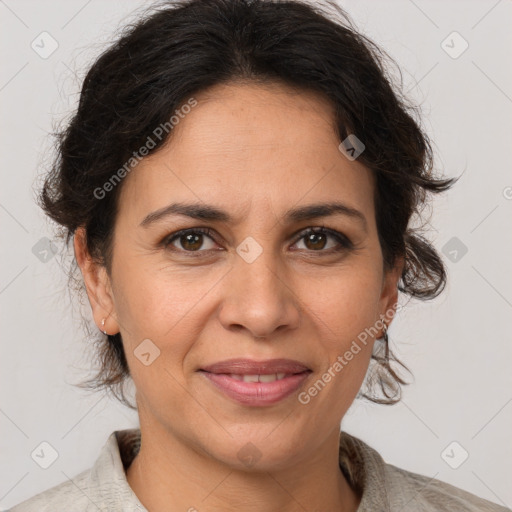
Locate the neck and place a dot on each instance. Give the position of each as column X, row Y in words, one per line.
column 170, row 475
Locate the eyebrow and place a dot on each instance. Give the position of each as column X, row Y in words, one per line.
column 204, row 212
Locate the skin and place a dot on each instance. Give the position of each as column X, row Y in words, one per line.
column 256, row 152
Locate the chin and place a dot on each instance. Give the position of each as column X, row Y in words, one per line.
column 256, row 450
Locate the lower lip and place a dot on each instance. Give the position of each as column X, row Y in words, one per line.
column 257, row 393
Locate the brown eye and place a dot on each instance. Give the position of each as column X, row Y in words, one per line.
column 189, row 240
column 316, row 240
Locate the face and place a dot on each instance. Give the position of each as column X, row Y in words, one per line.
column 254, row 281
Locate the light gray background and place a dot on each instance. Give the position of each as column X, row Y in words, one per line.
column 458, row 346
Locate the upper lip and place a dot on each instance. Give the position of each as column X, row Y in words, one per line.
column 251, row 367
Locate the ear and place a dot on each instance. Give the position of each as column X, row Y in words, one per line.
column 97, row 284
column 389, row 294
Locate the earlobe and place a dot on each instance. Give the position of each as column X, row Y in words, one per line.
column 97, row 284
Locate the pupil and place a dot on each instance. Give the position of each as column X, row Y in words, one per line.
column 312, row 237
column 189, row 240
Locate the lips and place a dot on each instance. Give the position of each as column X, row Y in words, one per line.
column 257, row 383
column 250, row 367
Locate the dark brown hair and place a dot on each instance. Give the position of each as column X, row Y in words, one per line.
column 178, row 49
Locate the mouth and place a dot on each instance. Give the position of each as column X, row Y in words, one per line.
column 271, row 377
column 256, row 383
column 252, row 367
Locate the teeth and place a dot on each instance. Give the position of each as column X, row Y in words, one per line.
column 258, row 378
column 268, row 378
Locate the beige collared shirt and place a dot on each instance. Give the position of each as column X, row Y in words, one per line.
column 384, row 487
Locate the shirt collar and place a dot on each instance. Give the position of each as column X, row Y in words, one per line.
column 108, row 476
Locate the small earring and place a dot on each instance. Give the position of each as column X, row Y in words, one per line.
column 103, row 325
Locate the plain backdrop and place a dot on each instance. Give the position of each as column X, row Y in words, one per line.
column 457, row 346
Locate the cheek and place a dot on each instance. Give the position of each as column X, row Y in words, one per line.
column 151, row 301
column 345, row 304
column 346, row 342
column 345, row 314
column 168, row 308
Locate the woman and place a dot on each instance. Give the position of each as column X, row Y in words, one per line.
column 238, row 182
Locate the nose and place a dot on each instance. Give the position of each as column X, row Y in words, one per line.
column 258, row 297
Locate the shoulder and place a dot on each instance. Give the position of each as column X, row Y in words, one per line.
column 413, row 492
column 387, row 488
column 65, row 496
column 102, row 487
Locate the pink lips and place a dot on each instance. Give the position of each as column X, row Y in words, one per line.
column 227, row 377
column 250, row 367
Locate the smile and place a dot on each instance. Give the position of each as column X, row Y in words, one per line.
column 258, row 378
column 256, row 390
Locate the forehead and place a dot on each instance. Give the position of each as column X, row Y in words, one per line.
column 245, row 144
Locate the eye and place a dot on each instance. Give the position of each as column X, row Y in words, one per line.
column 315, row 239
column 190, row 240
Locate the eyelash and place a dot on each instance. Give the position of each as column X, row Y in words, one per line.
column 344, row 242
